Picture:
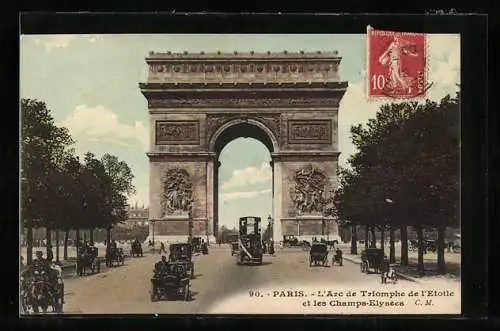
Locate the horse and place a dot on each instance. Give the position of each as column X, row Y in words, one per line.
column 87, row 260
column 113, row 255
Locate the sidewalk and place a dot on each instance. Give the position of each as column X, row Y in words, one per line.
column 409, row 273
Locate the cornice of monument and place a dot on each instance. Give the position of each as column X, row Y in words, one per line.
column 257, row 56
column 313, row 86
column 304, row 155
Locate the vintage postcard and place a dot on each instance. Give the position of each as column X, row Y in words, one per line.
column 240, row 174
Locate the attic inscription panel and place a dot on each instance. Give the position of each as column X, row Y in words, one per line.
column 177, row 133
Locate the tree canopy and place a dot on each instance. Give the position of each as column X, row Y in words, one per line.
column 58, row 190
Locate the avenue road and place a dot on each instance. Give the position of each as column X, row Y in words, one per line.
column 126, row 289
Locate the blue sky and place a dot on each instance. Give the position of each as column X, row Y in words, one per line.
column 91, row 84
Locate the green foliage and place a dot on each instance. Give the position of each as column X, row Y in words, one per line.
column 59, row 191
column 406, row 170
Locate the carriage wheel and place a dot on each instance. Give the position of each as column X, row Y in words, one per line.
column 154, row 297
column 187, row 292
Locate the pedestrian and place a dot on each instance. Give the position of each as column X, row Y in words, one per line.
column 162, row 248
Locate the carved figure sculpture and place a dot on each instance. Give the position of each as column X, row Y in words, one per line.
column 177, row 197
column 309, row 187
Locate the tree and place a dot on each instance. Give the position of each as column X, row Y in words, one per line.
column 120, row 187
column 43, row 147
column 408, row 155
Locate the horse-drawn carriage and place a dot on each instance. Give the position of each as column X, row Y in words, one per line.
column 182, row 254
column 136, row 249
column 87, row 261
column 318, row 255
column 170, row 279
column 114, row 256
column 429, row 245
column 234, row 248
column 371, row 259
column 41, row 288
column 292, row 241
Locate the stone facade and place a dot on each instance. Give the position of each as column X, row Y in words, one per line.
column 200, row 102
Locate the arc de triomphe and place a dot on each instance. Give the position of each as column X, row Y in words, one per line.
column 200, row 102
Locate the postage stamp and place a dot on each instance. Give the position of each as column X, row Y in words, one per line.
column 205, row 178
column 397, row 64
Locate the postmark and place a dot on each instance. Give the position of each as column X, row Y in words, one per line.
column 397, row 64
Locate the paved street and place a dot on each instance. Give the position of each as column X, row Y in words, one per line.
column 126, row 289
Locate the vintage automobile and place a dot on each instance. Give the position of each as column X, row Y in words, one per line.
column 249, row 241
column 290, row 241
column 136, row 249
column 337, row 257
column 371, row 260
column 41, row 290
column 318, row 254
column 234, row 248
column 87, row 261
column 169, row 281
column 181, row 253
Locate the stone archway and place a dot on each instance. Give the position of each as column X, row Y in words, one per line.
column 244, row 127
column 199, row 102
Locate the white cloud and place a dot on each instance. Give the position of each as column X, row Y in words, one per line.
column 102, row 125
column 224, row 197
column 249, row 176
column 444, row 57
column 62, row 40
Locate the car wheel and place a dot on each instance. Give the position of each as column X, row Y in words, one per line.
column 153, row 293
column 187, row 292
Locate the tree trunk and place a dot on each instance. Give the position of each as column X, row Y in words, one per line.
column 91, row 235
column 441, row 265
column 108, row 235
column 354, row 241
column 57, row 245
column 367, row 235
column 404, row 245
column 392, row 248
column 48, row 238
column 420, row 237
column 29, row 242
column 382, row 238
column 374, row 238
column 66, row 237
column 77, row 240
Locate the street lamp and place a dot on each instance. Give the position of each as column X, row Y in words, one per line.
column 153, row 227
column 271, row 225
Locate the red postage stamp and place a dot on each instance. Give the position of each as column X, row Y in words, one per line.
column 396, row 64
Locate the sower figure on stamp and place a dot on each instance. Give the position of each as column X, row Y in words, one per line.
column 392, row 57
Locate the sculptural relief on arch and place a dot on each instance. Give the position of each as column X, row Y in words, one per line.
column 200, row 102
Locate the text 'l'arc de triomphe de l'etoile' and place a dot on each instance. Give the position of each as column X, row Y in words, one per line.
column 200, row 102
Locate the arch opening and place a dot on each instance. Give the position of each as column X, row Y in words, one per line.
column 254, row 159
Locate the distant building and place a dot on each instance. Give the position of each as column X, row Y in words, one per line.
column 137, row 216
